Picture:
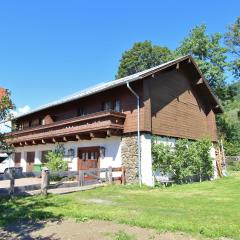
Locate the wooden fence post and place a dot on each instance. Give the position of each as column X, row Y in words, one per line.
column 45, row 181
column 110, row 174
column 123, row 176
column 81, row 177
column 11, row 174
column 106, row 175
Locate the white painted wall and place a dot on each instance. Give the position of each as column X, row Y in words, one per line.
column 213, row 156
column 112, row 147
column 146, row 160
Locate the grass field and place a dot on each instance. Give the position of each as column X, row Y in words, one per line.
column 211, row 209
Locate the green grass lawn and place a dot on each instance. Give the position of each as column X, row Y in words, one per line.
column 211, row 209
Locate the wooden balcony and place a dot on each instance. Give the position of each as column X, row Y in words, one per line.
column 97, row 125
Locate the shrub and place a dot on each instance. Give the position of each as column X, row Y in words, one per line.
column 187, row 161
column 234, row 166
column 55, row 159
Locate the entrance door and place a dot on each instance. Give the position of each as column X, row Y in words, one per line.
column 88, row 158
column 30, row 161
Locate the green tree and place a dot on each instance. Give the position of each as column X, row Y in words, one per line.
column 142, row 56
column 229, row 124
column 6, row 105
column 210, row 56
column 56, row 159
column 232, row 40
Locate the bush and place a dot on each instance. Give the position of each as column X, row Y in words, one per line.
column 55, row 159
column 187, row 161
column 234, row 166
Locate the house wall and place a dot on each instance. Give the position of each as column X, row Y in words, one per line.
column 146, row 160
column 176, row 108
column 93, row 104
column 130, row 158
column 112, row 156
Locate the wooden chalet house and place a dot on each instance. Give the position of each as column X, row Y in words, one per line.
column 99, row 126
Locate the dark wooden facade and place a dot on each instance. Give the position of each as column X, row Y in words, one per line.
column 174, row 102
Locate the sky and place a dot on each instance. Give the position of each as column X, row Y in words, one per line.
column 52, row 48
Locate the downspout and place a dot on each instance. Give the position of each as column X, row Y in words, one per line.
column 138, row 134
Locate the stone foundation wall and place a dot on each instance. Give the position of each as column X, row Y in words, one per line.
column 130, row 158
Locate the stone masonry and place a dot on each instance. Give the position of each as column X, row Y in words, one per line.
column 129, row 157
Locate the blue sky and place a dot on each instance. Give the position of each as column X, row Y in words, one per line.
column 52, row 48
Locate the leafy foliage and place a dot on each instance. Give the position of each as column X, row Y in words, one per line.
column 55, row 159
column 232, row 40
column 229, row 123
column 6, row 105
column 142, row 56
column 234, row 166
column 186, row 161
column 209, row 55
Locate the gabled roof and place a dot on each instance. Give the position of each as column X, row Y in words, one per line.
column 115, row 83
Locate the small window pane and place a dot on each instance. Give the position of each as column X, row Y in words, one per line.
column 117, row 106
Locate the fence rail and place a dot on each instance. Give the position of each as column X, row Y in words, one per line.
column 232, row 158
column 81, row 177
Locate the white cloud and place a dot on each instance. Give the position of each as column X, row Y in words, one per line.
column 6, row 127
column 24, row 109
column 21, row 110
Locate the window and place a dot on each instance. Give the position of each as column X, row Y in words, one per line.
column 81, row 112
column 112, row 105
column 117, row 107
column 17, row 157
column 44, row 156
column 30, row 157
column 42, row 121
column 107, row 106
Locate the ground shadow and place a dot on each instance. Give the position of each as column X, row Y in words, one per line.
column 24, row 215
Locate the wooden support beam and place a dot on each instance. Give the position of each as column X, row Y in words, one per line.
column 92, row 135
column 189, row 60
column 153, row 75
column 54, row 140
column 33, row 142
column 26, row 144
column 64, row 139
column 177, row 66
column 20, row 144
column 43, row 141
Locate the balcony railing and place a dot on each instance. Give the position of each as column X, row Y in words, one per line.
column 100, row 124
